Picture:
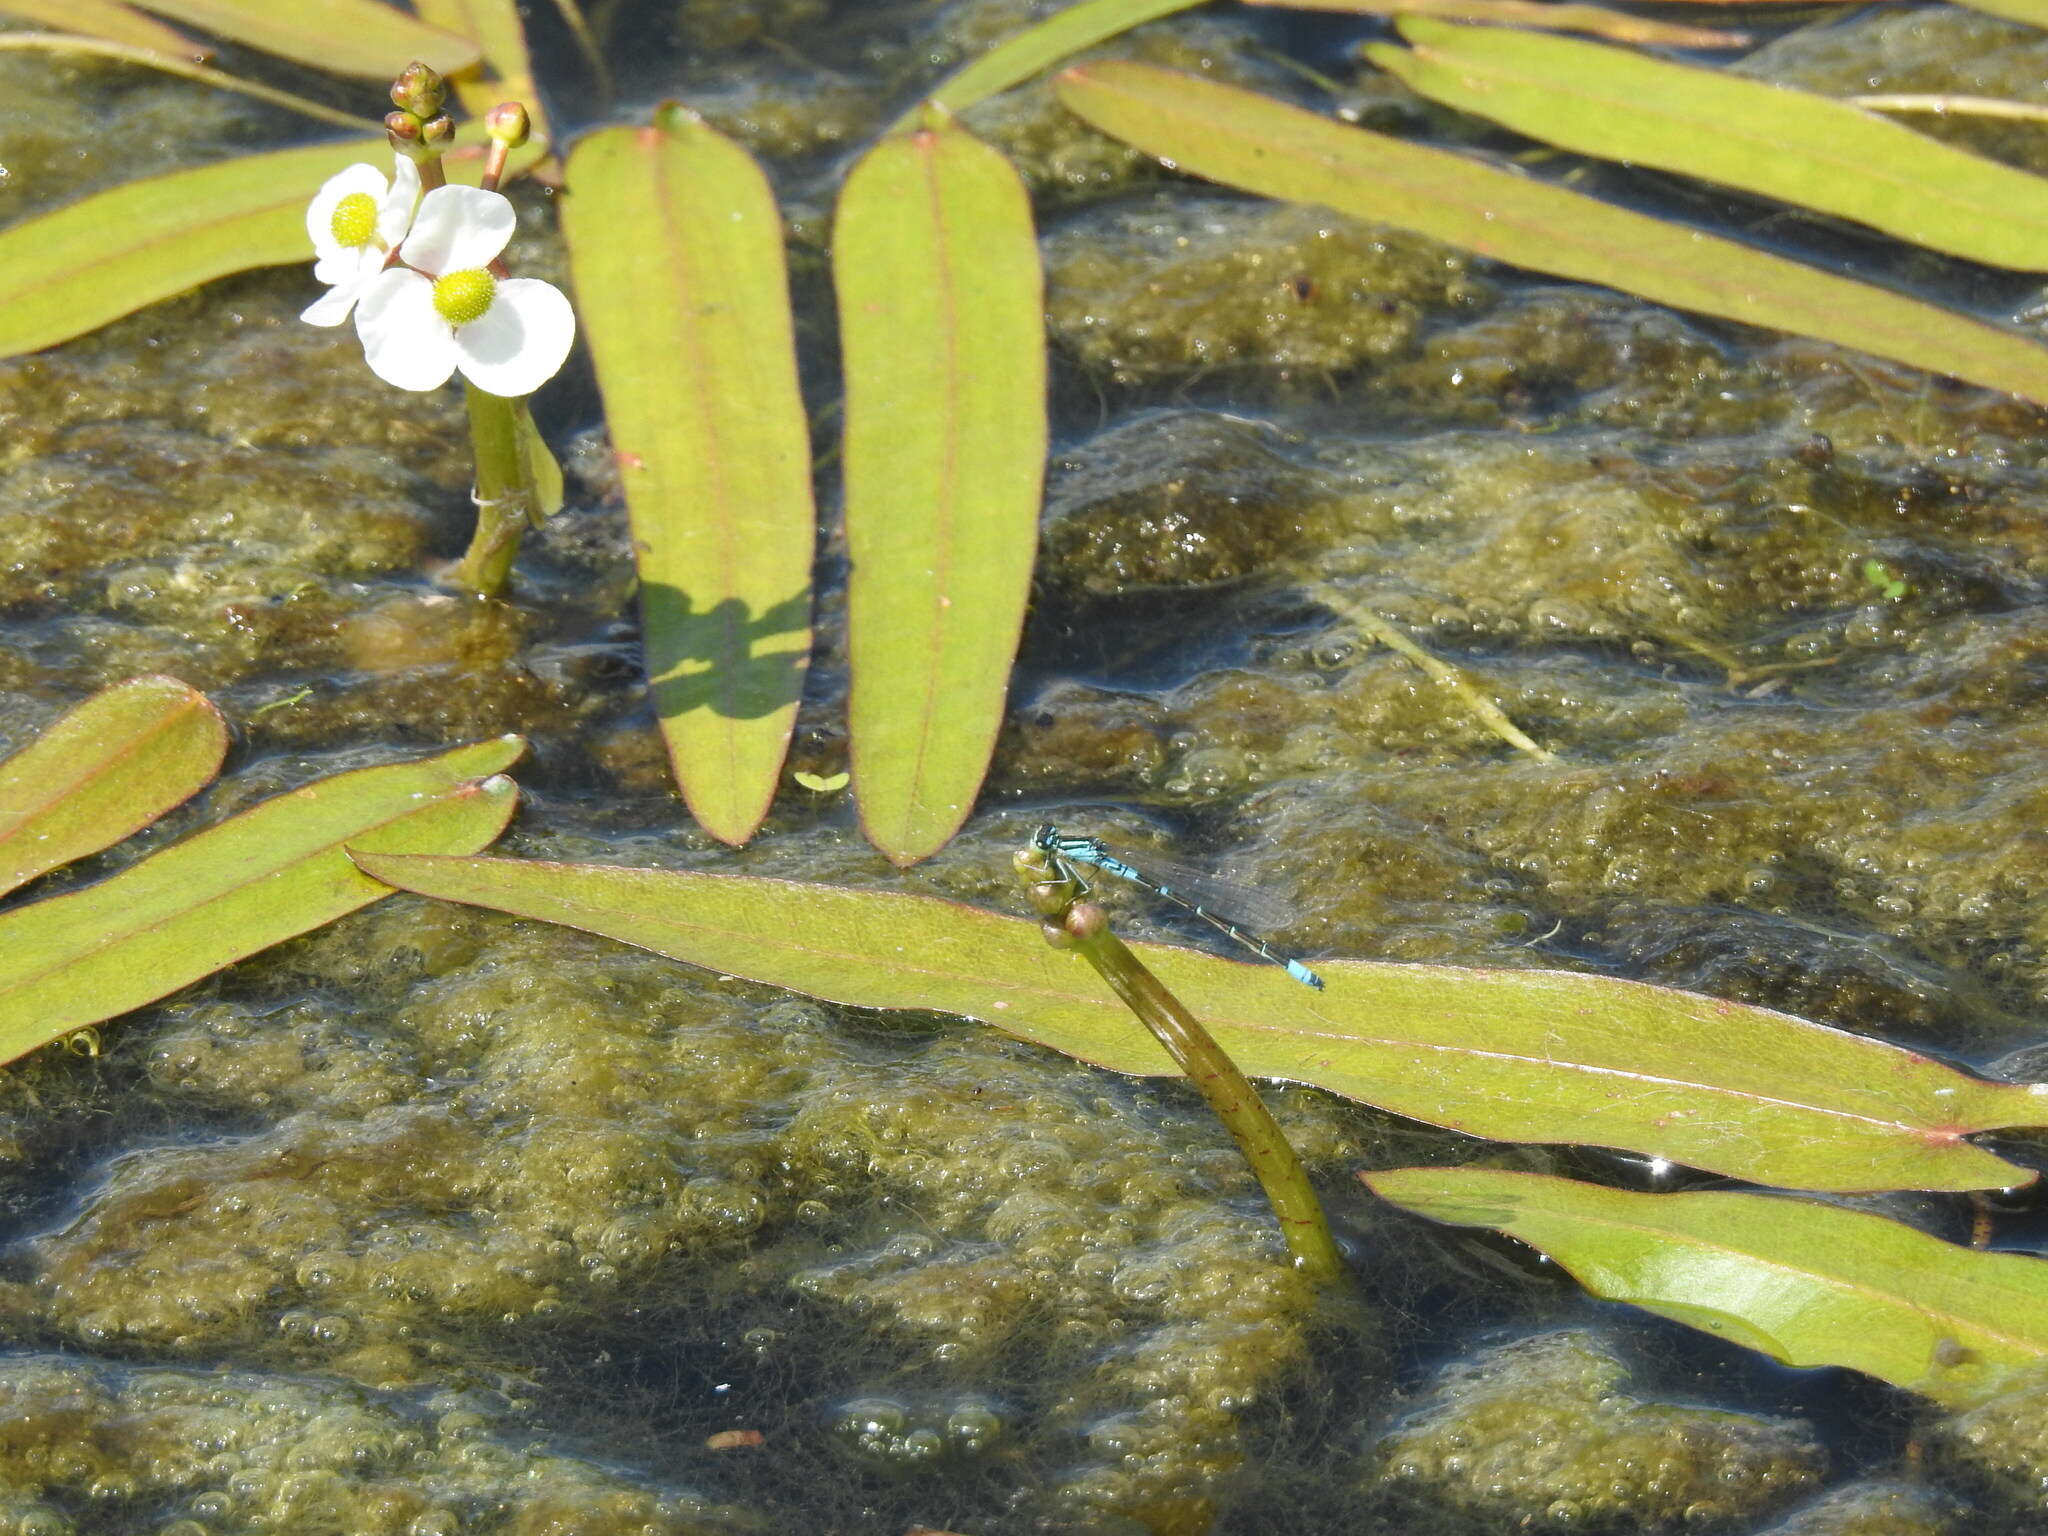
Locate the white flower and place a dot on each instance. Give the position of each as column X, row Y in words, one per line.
column 508, row 335
column 355, row 220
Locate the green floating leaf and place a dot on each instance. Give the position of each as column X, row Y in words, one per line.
column 676, row 244
column 273, row 872
column 1245, row 140
column 1548, row 15
column 105, row 769
column 72, row 270
column 1513, row 1055
column 942, row 327
column 1038, row 48
column 1771, row 139
column 1805, row 1283
column 365, row 38
column 110, row 21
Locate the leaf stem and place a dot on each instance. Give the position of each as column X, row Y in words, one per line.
column 1071, row 923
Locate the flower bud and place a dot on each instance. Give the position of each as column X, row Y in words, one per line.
column 508, row 124
column 403, row 127
column 438, row 131
column 419, row 90
column 1085, row 920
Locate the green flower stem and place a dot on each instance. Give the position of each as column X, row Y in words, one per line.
column 1074, row 924
column 505, row 493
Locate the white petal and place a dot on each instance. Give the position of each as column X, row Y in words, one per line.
column 458, row 228
column 406, row 342
column 354, row 267
column 320, row 212
column 394, row 211
column 521, row 341
column 333, row 306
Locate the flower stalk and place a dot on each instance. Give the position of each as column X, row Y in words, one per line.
column 1071, row 923
column 506, row 497
column 420, row 265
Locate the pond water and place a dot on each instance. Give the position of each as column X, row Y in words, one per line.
column 435, row 1222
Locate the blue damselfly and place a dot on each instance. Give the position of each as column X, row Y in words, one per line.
column 1189, row 889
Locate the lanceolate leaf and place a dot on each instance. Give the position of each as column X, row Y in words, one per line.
column 259, row 878
column 366, row 38
column 676, row 244
column 1248, row 141
column 105, row 769
column 1052, row 41
column 1773, row 139
column 72, row 270
column 941, row 320
column 1809, row 1284
column 1514, row 1055
column 110, row 20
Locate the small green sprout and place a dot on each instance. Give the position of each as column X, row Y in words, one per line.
column 1890, row 585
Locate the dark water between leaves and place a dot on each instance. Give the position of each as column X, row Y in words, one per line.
column 434, row 1222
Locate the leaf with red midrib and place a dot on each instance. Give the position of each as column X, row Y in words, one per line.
column 942, row 326
column 104, row 769
column 1542, row 1056
column 269, row 874
column 676, row 244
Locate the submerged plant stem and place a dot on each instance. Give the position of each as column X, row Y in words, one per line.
column 1490, row 714
column 505, row 494
column 1944, row 104
column 1084, row 927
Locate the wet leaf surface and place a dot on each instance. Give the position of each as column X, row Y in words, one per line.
column 1789, row 144
column 1805, row 1283
column 345, row 37
column 109, row 20
column 266, row 875
column 106, row 768
column 941, row 313
column 676, row 243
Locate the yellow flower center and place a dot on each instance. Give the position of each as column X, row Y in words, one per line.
column 461, row 297
column 355, row 220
